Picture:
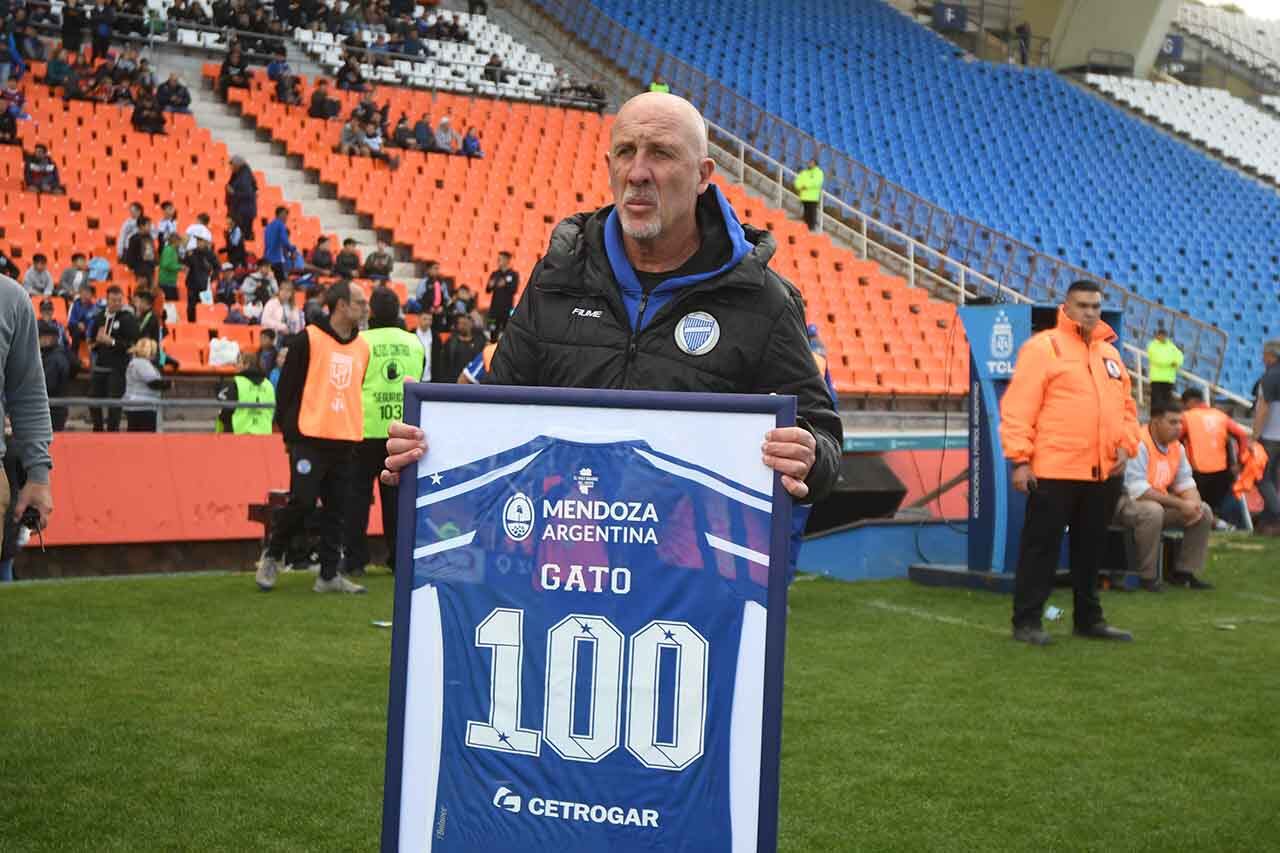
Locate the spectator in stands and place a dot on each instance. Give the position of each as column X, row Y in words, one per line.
column 501, row 287
column 168, row 223
column 321, row 262
column 242, row 196
column 201, row 263
column 261, row 284
column 169, row 267
column 477, row 7
column 281, row 315
column 145, row 77
column 143, row 255
column 402, row 136
column 149, row 325
column 322, row 106
column 424, row 135
column 279, row 66
column 433, row 291
column 147, row 115
column 233, row 244
column 277, row 249
column 40, row 173
column 58, row 69
column 143, row 384
column 1023, row 34
column 320, row 443
column 446, row 137
column 116, row 332
column 808, row 185
column 289, row 90
column 8, row 267
column 46, row 315
column 80, row 316
column 57, row 370
column 463, row 345
column 173, row 97
column 38, row 281
column 347, row 264
column 250, row 385
column 658, row 84
column 471, row 144
column 373, row 143
column 128, row 229
column 226, row 287
column 367, row 112
column 102, row 21
column 125, row 66
column 426, row 336
column 352, row 141
column 1163, row 360
column 349, row 77
column 267, row 350
column 234, row 73
column 494, row 72
column 379, row 263
column 1266, row 429
column 8, row 128
column 73, row 277
column 196, row 231
column 1160, row 492
column 14, row 99
column 1206, row 434
column 74, row 23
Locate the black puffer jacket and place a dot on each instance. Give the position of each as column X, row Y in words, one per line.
column 571, row 330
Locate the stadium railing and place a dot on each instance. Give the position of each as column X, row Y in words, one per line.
column 898, row 250
column 160, row 406
column 1018, row 266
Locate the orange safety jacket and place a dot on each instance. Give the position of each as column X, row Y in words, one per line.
column 332, row 398
column 1253, row 465
column 1204, row 432
column 1162, row 466
column 1068, row 410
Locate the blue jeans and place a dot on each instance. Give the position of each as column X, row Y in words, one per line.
column 1269, row 485
column 6, row 570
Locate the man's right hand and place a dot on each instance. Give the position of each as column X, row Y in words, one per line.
column 1023, row 480
column 1191, row 511
column 405, row 446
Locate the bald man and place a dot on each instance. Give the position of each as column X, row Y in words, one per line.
column 665, row 290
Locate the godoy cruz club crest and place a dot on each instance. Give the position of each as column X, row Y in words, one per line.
column 697, row 333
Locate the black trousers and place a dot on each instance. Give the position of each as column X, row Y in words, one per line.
column 370, row 459
column 811, row 214
column 141, row 421
column 1214, row 488
column 1161, row 393
column 319, row 471
column 499, row 313
column 106, row 384
column 1086, row 506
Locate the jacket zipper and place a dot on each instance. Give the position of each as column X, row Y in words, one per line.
column 631, row 341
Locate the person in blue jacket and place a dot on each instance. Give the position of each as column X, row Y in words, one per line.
column 278, row 251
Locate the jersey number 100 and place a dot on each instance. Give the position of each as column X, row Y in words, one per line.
column 666, row 690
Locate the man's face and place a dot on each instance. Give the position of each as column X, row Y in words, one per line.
column 80, row 264
column 1084, row 308
column 40, row 265
column 503, row 261
column 656, row 171
column 1167, row 428
column 135, row 211
column 283, row 216
column 46, row 313
column 463, row 325
column 41, row 152
column 86, row 296
column 115, row 301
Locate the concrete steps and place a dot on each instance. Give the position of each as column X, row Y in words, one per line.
column 316, row 200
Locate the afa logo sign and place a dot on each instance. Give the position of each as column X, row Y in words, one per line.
column 517, row 517
column 1001, row 337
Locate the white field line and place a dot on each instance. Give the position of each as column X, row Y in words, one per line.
column 1253, row 596
column 930, row 616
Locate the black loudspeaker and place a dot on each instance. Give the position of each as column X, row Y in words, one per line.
column 867, row 488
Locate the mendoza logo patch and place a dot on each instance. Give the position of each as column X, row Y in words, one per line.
column 697, row 333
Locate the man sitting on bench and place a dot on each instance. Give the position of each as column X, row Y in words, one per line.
column 1159, row 492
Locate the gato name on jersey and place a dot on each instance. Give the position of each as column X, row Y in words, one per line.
column 623, row 522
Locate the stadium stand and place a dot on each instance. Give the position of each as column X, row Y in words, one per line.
column 1252, row 41
column 1072, row 176
column 105, row 164
column 882, row 336
column 1215, row 118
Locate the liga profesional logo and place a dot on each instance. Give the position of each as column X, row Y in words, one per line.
column 697, row 333
column 517, row 517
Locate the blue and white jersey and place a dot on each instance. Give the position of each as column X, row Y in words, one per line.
column 586, row 655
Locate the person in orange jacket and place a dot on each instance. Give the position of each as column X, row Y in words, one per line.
column 1206, row 432
column 1068, row 425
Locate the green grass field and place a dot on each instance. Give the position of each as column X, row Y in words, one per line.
column 193, row 713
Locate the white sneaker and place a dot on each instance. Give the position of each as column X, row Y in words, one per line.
column 338, row 583
column 268, row 568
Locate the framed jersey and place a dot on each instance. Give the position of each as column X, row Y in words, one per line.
column 587, row 649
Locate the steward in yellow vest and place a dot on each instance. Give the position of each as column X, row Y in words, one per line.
column 250, row 385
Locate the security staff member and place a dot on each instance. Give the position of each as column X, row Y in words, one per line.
column 320, row 412
column 665, row 290
column 250, row 385
column 1068, row 425
column 503, row 283
column 1163, row 360
column 395, row 356
column 808, row 186
column 1206, row 432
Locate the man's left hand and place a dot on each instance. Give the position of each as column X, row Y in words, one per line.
column 37, row 495
column 791, row 452
column 1122, row 459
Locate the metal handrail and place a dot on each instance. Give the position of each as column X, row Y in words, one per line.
column 158, row 406
column 915, row 250
column 962, row 240
column 1250, row 56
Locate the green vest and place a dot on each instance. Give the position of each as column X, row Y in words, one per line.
column 393, row 355
column 1165, row 359
column 659, row 87
column 253, row 421
column 809, row 184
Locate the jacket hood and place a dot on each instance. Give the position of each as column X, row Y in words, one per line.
column 1101, row 332
column 254, row 375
